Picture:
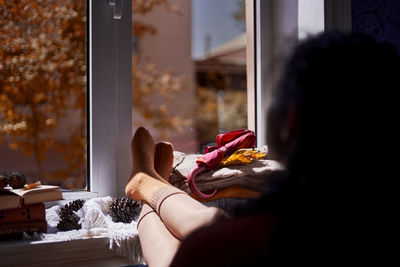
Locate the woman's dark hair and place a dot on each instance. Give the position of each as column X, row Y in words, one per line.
column 344, row 88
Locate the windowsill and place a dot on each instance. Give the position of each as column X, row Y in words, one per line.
column 83, row 252
column 91, row 251
column 70, row 196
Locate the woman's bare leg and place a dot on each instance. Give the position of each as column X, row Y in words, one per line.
column 159, row 246
column 180, row 213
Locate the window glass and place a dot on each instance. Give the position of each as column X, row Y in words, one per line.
column 189, row 70
column 43, row 90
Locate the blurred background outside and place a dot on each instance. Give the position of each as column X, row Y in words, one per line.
column 189, row 70
column 188, row 80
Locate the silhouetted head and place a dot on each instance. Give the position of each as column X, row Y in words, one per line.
column 336, row 100
column 333, row 121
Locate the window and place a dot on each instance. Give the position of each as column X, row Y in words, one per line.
column 43, row 91
column 278, row 25
column 270, row 24
column 111, row 76
column 275, row 32
column 108, row 116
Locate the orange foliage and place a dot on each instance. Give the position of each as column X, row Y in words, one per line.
column 43, row 77
column 42, row 71
column 153, row 95
column 142, row 7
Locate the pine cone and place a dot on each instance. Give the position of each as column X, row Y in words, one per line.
column 69, row 220
column 16, row 180
column 123, row 210
column 72, row 206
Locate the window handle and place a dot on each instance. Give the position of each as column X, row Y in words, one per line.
column 117, row 4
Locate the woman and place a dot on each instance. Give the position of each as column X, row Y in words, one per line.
column 335, row 101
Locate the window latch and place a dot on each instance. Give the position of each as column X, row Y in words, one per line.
column 117, row 4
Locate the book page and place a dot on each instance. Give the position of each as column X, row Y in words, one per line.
column 36, row 190
column 42, row 196
column 12, row 198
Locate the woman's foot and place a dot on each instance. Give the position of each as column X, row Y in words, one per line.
column 164, row 159
column 143, row 149
column 143, row 174
column 142, row 186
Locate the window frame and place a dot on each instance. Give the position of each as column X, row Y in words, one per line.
column 267, row 31
column 110, row 97
column 109, row 100
column 109, row 104
column 110, row 78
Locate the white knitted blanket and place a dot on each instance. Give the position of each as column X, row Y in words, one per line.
column 253, row 175
column 96, row 221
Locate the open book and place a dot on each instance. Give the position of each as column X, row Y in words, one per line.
column 14, row 198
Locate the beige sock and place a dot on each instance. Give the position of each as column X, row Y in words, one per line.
column 161, row 194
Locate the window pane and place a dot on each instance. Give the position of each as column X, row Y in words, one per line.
column 189, row 70
column 43, row 90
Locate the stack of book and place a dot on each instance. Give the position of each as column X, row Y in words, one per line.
column 23, row 210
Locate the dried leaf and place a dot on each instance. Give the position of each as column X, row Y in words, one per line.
column 32, row 185
column 243, row 156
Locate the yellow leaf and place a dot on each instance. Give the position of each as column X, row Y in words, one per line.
column 243, row 156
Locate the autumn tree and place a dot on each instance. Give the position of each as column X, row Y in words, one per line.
column 43, row 80
column 42, row 72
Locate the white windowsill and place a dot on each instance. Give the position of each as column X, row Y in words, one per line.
column 92, row 251
column 70, row 196
column 83, row 252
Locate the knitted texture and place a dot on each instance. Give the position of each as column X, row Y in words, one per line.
column 96, row 221
column 161, row 194
column 253, row 175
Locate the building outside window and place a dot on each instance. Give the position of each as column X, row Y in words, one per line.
column 189, row 70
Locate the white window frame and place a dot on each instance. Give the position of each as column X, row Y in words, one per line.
column 109, row 99
column 270, row 23
column 110, row 76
